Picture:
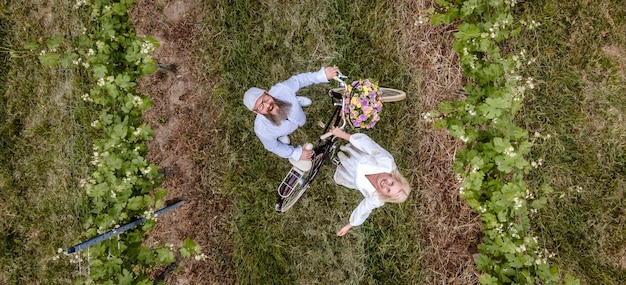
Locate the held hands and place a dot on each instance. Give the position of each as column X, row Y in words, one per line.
column 331, row 72
column 344, row 230
column 339, row 133
column 307, row 151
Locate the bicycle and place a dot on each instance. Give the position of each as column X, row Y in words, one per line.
column 297, row 181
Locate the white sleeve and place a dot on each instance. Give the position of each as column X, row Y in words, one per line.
column 365, row 144
column 363, row 210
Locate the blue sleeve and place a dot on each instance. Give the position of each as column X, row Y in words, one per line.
column 301, row 80
column 272, row 144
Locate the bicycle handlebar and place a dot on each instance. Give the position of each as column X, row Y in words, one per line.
column 339, row 77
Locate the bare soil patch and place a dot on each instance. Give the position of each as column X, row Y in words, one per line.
column 183, row 125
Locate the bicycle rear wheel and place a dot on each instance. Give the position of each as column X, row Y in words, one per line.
column 290, row 189
column 296, row 182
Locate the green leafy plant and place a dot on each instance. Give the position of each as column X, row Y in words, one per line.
column 123, row 184
column 492, row 166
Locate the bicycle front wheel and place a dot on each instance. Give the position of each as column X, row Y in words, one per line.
column 388, row 94
column 392, row 95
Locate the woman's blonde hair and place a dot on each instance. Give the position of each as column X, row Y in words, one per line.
column 403, row 195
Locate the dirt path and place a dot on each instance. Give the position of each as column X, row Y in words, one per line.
column 448, row 226
column 183, row 123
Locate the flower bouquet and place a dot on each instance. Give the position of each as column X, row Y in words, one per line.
column 362, row 104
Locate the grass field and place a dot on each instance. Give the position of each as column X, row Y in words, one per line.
column 45, row 147
column 580, row 75
column 580, row 50
column 262, row 43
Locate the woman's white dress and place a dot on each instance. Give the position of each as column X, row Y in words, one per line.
column 362, row 156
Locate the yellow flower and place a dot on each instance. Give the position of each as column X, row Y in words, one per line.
column 354, row 101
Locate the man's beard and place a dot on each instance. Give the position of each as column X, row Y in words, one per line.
column 283, row 110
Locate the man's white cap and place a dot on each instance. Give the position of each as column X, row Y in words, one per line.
column 250, row 97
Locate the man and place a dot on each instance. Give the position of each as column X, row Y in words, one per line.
column 279, row 112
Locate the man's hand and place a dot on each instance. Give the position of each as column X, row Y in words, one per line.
column 331, row 72
column 307, row 151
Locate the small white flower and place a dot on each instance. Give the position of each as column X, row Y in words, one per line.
column 530, row 83
column 146, row 170
column 79, row 3
column 136, row 101
column 100, row 82
column 518, row 203
column 147, row 47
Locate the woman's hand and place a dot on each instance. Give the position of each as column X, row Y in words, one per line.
column 331, row 72
column 339, row 133
column 344, row 230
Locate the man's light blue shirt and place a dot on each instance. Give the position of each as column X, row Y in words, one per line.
column 269, row 133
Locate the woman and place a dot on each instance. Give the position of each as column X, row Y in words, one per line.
column 369, row 168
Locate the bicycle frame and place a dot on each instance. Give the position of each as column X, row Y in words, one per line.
column 297, row 180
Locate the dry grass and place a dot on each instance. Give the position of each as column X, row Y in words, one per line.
column 449, row 228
